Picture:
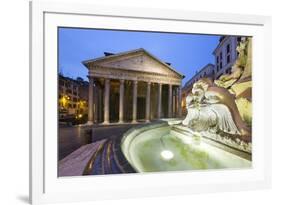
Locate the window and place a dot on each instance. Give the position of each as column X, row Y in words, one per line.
column 228, row 58
column 220, row 55
column 220, row 65
column 61, row 82
column 228, row 48
column 217, row 59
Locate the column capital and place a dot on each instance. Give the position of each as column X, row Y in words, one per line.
column 135, row 81
column 148, row 83
column 122, row 80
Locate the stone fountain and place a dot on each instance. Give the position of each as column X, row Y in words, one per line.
column 222, row 110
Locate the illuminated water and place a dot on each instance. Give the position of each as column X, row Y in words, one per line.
column 162, row 149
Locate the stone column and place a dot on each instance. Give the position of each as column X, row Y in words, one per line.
column 95, row 106
column 135, row 98
column 106, row 100
column 159, row 110
column 100, row 106
column 170, row 100
column 179, row 102
column 147, row 109
column 174, row 101
column 90, row 101
column 121, row 101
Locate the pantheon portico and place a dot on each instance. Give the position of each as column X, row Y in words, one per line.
column 132, row 86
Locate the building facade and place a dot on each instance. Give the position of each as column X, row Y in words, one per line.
column 208, row 71
column 132, row 86
column 73, row 96
column 225, row 55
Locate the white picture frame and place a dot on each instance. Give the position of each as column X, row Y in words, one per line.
column 46, row 187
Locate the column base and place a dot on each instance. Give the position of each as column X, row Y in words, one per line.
column 106, row 123
column 120, row 122
column 134, row 122
column 89, row 123
column 147, row 121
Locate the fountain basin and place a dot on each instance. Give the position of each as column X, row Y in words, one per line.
column 162, row 147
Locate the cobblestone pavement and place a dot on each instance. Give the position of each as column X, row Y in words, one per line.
column 71, row 138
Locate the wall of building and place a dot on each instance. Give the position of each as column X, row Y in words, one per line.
column 75, row 94
column 225, row 55
column 206, row 72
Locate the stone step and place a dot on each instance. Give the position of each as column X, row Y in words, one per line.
column 75, row 163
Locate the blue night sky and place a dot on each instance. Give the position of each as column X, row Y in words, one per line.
column 187, row 53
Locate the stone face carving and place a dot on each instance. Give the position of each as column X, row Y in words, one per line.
column 212, row 113
column 222, row 110
column 207, row 112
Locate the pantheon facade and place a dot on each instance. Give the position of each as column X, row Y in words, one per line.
column 132, row 86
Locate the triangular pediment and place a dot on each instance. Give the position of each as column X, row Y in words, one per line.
column 138, row 60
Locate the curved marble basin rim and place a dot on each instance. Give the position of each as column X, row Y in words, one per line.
column 136, row 139
column 134, row 132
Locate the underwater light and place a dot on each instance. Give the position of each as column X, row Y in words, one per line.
column 167, row 155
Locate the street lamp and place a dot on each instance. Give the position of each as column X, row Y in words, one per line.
column 64, row 101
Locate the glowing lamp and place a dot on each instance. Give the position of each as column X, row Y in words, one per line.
column 167, row 155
